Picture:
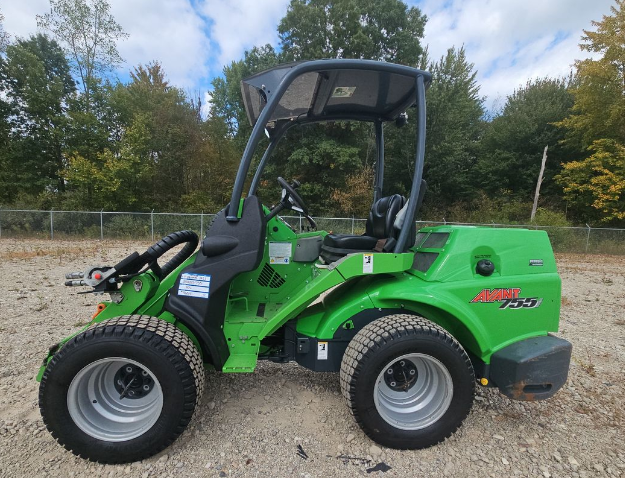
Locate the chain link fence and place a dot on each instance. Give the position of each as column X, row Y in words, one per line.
column 22, row 223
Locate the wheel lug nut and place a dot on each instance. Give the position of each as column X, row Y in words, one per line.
column 393, row 384
column 412, row 372
column 119, row 382
column 146, row 387
column 390, row 371
column 402, row 363
column 144, row 373
column 129, row 369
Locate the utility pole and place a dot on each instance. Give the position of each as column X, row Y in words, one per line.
column 540, row 181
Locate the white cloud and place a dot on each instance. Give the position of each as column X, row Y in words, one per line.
column 242, row 24
column 20, row 17
column 169, row 31
column 511, row 41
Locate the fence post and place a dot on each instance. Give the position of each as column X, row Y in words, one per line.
column 101, row 226
column 587, row 237
column 51, row 224
column 0, row 223
column 152, row 223
column 300, row 223
column 353, row 220
column 201, row 223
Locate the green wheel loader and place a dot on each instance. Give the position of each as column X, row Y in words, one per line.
column 411, row 321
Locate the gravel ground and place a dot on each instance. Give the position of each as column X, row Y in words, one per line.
column 251, row 424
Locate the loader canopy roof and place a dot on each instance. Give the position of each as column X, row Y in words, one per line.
column 357, row 90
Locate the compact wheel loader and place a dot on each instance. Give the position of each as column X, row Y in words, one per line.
column 410, row 321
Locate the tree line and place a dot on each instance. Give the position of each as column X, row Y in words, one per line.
column 74, row 137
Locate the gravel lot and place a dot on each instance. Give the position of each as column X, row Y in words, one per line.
column 251, row 424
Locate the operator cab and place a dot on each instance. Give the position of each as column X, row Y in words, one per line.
column 338, row 90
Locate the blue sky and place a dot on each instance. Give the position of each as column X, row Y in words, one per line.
column 509, row 41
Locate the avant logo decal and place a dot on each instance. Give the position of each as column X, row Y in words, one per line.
column 509, row 298
column 496, row 295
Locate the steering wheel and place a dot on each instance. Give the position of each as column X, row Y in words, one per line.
column 291, row 197
column 291, row 200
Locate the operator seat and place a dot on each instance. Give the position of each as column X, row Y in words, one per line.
column 381, row 232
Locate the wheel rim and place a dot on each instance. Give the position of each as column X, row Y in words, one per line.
column 115, row 399
column 413, row 391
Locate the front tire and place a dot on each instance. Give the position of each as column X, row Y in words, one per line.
column 407, row 381
column 122, row 390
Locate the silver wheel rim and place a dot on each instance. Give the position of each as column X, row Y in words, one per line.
column 95, row 405
column 421, row 402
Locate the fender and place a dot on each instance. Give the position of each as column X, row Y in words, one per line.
column 397, row 293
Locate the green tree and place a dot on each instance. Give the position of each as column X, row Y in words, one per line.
column 513, row 144
column 89, row 33
column 453, row 129
column 596, row 125
column 36, row 80
column 4, row 35
column 386, row 30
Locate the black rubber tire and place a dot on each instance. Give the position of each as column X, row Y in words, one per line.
column 390, row 337
column 167, row 352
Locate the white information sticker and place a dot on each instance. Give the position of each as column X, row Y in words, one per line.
column 367, row 264
column 322, row 350
column 343, row 91
column 280, row 252
column 194, row 285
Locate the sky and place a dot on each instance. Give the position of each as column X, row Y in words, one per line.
column 509, row 41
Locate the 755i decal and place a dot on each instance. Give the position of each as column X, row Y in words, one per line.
column 509, row 298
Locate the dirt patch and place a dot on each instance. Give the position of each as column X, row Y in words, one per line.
column 252, row 424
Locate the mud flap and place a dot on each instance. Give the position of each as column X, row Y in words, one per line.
column 532, row 369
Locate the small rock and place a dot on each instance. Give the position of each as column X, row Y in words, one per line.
column 127, row 470
column 504, row 461
column 163, row 458
column 224, row 400
column 340, row 448
column 211, row 405
column 557, row 456
column 598, row 467
column 222, row 454
column 375, row 450
column 573, row 461
column 208, row 465
column 350, row 437
column 498, row 437
column 222, row 474
column 179, row 464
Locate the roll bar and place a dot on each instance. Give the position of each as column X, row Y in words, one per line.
column 326, row 65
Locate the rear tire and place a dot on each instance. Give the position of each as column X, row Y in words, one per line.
column 122, row 390
column 407, row 381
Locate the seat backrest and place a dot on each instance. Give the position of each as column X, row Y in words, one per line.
column 382, row 216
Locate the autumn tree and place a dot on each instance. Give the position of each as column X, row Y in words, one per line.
column 593, row 185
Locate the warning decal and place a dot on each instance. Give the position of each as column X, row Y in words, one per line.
column 280, row 252
column 194, row 285
column 367, row 264
column 322, row 350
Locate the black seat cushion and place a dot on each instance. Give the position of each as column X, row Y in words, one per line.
column 347, row 241
column 382, row 216
column 379, row 226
